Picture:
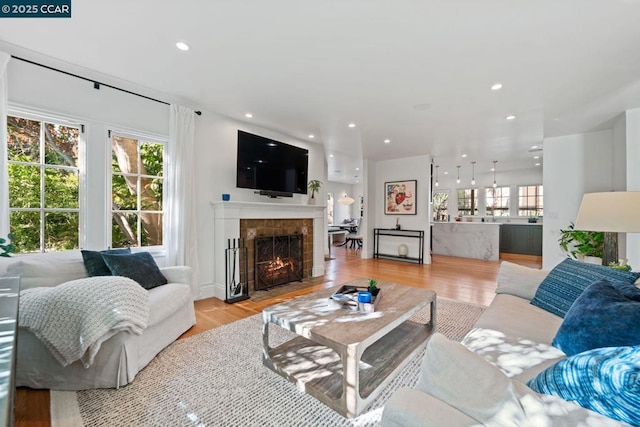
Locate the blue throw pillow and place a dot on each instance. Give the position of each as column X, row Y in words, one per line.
column 564, row 284
column 140, row 267
column 605, row 315
column 605, row 380
column 94, row 263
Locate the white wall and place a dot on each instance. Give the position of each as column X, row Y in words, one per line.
column 409, row 168
column 216, row 145
column 573, row 165
column 342, row 212
column 633, row 179
column 47, row 91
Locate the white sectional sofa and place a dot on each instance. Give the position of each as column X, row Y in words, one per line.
column 121, row 357
column 457, row 387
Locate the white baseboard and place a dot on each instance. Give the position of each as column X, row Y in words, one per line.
column 317, row 270
column 212, row 290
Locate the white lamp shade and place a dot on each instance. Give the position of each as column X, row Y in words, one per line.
column 614, row 211
column 345, row 200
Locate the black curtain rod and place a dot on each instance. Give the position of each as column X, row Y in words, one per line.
column 96, row 84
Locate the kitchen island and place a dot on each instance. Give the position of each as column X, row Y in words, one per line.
column 479, row 240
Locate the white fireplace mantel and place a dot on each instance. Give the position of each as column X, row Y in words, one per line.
column 227, row 216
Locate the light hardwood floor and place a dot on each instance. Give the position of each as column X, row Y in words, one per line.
column 467, row 280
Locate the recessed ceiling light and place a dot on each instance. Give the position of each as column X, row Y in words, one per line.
column 248, row 115
column 537, row 164
column 511, row 117
column 357, row 169
column 534, row 147
column 496, row 86
column 311, row 136
column 536, row 157
column 387, row 141
column 493, row 169
column 330, row 155
column 446, row 173
column 182, row 46
column 464, row 155
column 352, row 125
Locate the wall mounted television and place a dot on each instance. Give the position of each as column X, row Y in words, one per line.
column 274, row 168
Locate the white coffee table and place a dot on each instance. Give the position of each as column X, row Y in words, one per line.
column 345, row 358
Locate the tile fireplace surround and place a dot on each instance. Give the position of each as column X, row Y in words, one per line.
column 227, row 217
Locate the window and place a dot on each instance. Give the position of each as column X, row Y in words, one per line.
column 44, row 184
column 330, row 208
column 468, row 201
column 137, row 191
column 497, row 201
column 440, row 208
column 530, row 200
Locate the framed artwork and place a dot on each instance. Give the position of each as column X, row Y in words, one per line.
column 400, row 197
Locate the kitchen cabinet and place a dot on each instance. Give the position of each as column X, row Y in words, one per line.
column 525, row 239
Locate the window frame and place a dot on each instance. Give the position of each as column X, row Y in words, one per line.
column 538, row 197
column 80, row 168
column 433, row 205
column 141, row 137
column 474, row 196
column 489, row 211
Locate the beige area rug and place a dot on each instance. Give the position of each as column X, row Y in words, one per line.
column 216, row 378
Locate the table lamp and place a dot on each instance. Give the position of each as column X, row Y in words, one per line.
column 611, row 212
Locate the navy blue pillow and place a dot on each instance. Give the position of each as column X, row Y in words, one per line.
column 605, row 315
column 94, row 263
column 564, row 284
column 140, row 267
column 605, row 380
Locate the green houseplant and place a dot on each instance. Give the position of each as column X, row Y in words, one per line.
column 580, row 243
column 6, row 247
column 373, row 287
column 314, row 185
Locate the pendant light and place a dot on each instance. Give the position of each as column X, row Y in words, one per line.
column 437, row 183
column 473, row 173
column 494, row 174
column 458, row 179
column 346, row 200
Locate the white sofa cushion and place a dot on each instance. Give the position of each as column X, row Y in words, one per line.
column 461, row 378
column 47, row 269
column 516, row 317
column 167, row 299
column 518, row 280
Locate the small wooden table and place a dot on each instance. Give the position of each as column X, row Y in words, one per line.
column 345, row 358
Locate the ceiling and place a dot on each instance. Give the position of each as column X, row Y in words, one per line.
column 418, row 73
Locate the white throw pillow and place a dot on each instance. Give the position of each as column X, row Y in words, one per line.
column 466, row 381
column 518, row 280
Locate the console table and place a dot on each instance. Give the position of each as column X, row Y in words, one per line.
column 416, row 234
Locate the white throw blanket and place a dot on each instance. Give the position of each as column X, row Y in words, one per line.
column 74, row 319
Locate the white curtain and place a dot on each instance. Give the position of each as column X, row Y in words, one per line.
column 4, row 174
column 182, row 241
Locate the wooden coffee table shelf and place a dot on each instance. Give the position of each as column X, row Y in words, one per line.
column 344, row 358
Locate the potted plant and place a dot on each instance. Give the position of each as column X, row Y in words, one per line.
column 5, row 247
column 373, row 287
column 314, row 185
column 582, row 244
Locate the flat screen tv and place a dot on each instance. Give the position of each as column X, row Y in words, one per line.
column 274, row 168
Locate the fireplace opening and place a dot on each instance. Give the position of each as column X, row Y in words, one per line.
column 278, row 260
